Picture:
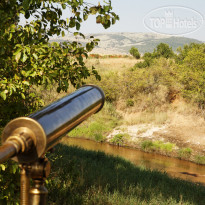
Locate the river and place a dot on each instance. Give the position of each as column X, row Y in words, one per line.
column 174, row 167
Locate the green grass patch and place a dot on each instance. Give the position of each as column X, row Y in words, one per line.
column 120, row 139
column 199, row 159
column 185, row 153
column 87, row 177
column 148, row 145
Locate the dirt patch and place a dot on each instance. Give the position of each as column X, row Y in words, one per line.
column 184, row 136
column 183, row 131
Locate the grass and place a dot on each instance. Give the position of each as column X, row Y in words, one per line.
column 87, row 177
column 159, row 146
column 145, row 118
column 120, row 139
column 185, row 153
column 114, row 64
column 99, row 125
column 200, row 159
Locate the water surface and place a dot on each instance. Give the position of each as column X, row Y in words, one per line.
column 174, row 167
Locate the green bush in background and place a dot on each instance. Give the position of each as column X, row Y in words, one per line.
column 135, row 53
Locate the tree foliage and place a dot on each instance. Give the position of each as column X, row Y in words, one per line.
column 27, row 59
column 183, row 52
column 188, row 69
column 191, row 71
column 163, row 50
column 9, row 183
column 135, row 53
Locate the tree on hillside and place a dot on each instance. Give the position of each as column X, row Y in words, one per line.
column 135, row 53
column 183, row 52
column 163, row 50
column 191, row 71
column 28, row 60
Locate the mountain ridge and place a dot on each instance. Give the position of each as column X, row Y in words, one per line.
column 120, row 43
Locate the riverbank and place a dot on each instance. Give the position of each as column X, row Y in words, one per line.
column 174, row 134
column 181, row 141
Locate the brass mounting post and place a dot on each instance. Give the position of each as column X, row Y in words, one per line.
column 38, row 172
column 25, row 185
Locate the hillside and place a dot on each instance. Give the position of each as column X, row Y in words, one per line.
column 120, row 43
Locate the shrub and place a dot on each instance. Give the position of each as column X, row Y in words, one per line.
column 185, row 153
column 163, row 50
column 148, row 60
column 117, row 139
column 130, row 103
column 120, row 139
column 160, row 146
column 9, row 186
column 135, row 53
column 200, row 159
column 99, row 137
column 143, row 64
column 147, row 145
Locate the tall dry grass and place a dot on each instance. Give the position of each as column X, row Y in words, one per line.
column 111, row 64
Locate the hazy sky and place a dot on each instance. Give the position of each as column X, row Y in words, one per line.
column 177, row 17
column 186, row 17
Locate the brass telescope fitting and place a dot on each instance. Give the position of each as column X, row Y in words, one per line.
column 27, row 137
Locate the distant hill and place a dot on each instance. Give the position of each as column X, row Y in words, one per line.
column 120, row 43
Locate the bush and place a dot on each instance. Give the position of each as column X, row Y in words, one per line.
column 191, row 74
column 99, row 137
column 120, row 139
column 163, row 50
column 135, row 53
column 10, row 183
column 143, row 64
column 185, row 153
column 147, row 145
column 200, row 159
column 159, row 146
column 148, row 60
column 130, row 103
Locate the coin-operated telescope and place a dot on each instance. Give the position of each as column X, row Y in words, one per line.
column 27, row 139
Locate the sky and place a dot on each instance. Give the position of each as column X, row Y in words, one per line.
column 175, row 17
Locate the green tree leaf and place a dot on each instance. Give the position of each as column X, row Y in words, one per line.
column 3, row 95
column 24, row 58
column 18, row 56
column 85, row 16
column 23, row 96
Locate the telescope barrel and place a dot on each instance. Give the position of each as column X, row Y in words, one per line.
column 6, row 151
column 65, row 114
column 42, row 130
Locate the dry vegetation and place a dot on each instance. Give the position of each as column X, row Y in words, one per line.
column 151, row 99
column 111, row 64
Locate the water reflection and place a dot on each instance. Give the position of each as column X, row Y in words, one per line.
column 174, row 167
